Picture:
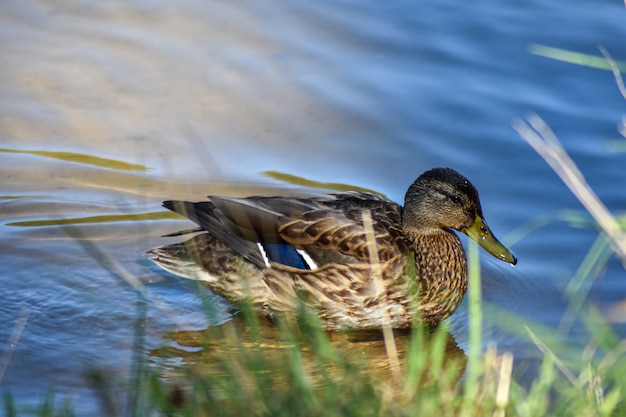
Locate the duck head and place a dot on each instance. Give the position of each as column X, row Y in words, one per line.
column 442, row 199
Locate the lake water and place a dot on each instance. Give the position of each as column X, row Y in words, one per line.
column 203, row 97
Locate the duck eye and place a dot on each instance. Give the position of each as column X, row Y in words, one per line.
column 456, row 199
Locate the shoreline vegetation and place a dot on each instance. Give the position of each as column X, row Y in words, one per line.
column 248, row 367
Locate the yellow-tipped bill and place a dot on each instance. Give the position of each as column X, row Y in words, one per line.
column 480, row 233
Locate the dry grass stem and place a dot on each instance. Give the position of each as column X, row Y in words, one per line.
column 549, row 353
column 621, row 128
column 615, row 70
column 541, row 138
column 379, row 287
column 504, row 383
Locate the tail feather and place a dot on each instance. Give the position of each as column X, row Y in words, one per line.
column 207, row 216
column 168, row 258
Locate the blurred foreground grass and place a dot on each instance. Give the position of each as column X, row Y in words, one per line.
column 250, row 367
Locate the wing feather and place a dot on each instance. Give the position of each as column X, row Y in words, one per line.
column 328, row 228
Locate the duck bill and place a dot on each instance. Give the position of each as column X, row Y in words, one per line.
column 481, row 234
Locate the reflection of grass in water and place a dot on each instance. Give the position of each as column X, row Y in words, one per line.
column 82, row 158
column 305, row 182
column 109, row 218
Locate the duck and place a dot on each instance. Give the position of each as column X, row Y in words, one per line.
column 357, row 260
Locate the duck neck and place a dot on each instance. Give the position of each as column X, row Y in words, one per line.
column 441, row 273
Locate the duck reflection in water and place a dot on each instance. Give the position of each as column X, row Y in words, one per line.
column 219, row 352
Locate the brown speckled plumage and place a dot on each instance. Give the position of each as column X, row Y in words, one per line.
column 417, row 274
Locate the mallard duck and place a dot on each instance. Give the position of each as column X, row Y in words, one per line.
column 358, row 260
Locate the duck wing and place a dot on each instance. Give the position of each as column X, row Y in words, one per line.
column 335, row 230
column 299, row 232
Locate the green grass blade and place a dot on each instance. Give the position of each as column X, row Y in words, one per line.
column 577, row 58
column 475, row 330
